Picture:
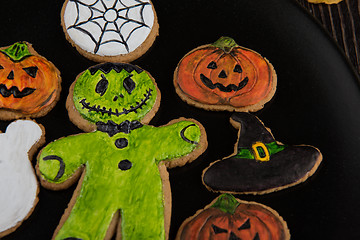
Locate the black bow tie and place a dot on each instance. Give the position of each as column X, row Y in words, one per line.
column 112, row 128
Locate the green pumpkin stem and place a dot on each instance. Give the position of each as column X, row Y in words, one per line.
column 17, row 51
column 226, row 44
column 226, row 203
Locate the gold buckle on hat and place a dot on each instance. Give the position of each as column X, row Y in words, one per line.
column 261, row 153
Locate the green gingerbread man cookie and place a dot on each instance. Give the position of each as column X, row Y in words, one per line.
column 122, row 162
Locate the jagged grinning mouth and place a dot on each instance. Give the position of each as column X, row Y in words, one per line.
column 231, row 87
column 15, row 91
column 104, row 110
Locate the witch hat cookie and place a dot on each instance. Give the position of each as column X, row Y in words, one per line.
column 260, row 163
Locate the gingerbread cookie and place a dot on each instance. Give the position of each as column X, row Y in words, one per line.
column 30, row 85
column 325, row 1
column 230, row 218
column 225, row 76
column 18, row 184
column 260, row 164
column 123, row 161
column 113, row 30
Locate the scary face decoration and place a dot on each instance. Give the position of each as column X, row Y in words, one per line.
column 28, row 82
column 228, row 218
column 225, row 76
column 114, row 92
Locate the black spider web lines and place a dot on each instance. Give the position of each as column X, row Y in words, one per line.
column 98, row 11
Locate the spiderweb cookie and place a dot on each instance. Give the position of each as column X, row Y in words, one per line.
column 110, row 30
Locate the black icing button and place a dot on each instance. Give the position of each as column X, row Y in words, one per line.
column 124, row 165
column 121, row 143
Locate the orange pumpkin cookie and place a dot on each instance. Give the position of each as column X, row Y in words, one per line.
column 225, row 76
column 29, row 84
column 230, row 218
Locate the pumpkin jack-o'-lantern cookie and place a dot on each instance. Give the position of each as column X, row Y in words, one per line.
column 29, row 84
column 229, row 218
column 225, row 76
column 112, row 30
column 260, row 164
column 123, row 161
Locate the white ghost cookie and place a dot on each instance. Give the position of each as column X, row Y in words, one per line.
column 18, row 183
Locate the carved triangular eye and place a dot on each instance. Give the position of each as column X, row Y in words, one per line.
column 238, row 68
column 129, row 84
column 11, row 75
column 246, row 225
column 212, row 65
column 257, row 237
column 218, row 230
column 222, row 74
column 31, row 71
column 102, row 85
column 1, row 67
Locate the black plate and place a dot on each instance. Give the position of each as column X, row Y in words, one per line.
column 317, row 102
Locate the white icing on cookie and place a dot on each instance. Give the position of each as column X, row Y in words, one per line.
column 108, row 27
column 18, row 184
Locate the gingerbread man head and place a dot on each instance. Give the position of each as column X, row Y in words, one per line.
column 113, row 92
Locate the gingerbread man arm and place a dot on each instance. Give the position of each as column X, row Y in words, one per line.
column 178, row 139
column 61, row 159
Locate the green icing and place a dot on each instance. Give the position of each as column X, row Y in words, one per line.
column 225, row 43
column 17, row 51
column 122, row 178
column 272, row 147
column 85, row 88
column 226, row 203
column 137, row 193
column 245, row 153
column 261, row 151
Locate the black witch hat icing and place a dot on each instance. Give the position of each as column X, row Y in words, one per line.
column 260, row 163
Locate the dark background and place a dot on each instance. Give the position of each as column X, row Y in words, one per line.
column 317, row 102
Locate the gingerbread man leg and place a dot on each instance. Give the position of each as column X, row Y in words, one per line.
column 142, row 222
column 89, row 218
